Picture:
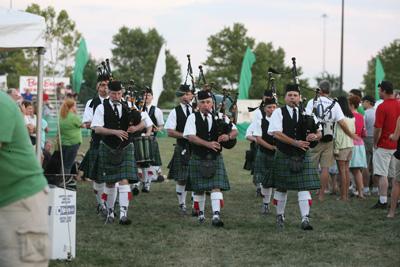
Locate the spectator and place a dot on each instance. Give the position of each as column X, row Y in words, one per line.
column 343, row 146
column 368, row 103
column 396, row 180
column 359, row 159
column 46, row 154
column 14, row 94
column 358, row 93
column 30, row 120
column 70, row 131
column 27, row 96
column 23, row 196
column 385, row 123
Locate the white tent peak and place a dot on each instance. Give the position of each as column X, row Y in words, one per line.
column 19, row 29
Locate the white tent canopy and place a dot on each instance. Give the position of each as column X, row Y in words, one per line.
column 20, row 29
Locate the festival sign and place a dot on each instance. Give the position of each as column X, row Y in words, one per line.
column 49, row 84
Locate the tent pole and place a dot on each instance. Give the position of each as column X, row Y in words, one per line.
column 39, row 107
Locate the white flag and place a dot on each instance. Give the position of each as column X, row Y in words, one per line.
column 159, row 72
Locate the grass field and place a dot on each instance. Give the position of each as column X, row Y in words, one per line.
column 345, row 234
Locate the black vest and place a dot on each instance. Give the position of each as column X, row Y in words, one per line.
column 153, row 118
column 203, row 133
column 112, row 122
column 292, row 129
column 180, row 124
column 266, row 137
column 96, row 138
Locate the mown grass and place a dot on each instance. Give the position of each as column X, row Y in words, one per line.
column 345, row 234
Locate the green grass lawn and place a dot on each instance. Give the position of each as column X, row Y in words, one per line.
column 345, row 234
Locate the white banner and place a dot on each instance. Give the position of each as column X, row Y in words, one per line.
column 3, row 81
column 49, row 84
column 159, row 72
column 243, row 113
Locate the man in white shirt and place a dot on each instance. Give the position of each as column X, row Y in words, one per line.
column 328, row 112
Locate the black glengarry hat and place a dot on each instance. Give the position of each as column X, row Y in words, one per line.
column 115, row 86
column 292, row 87
column 201, row 95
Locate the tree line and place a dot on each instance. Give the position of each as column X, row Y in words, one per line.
column 135, row 52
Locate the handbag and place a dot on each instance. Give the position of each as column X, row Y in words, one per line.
column 296, row 164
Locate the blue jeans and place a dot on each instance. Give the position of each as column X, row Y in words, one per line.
column 69, row 155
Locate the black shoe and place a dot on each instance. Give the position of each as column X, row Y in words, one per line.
column 182, row 209
column 217, row 222
column 258, row 192
column 109, row 220
column 160, row 178
column 201, row 217
column 379, row 205
column 265, row 209
column 102, row 211
column 135, row 191
column 125, row 221
column 305, row 224
column 280, row 219
column 145, row 190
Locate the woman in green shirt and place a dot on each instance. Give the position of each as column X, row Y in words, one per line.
column 70, row 130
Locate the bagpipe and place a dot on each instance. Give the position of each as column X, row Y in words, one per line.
column 224, row 105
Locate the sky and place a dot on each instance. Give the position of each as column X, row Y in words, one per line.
column 294, row 25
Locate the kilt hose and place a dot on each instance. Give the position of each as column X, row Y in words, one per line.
column 177, row 170
column 263, row 169
column 89, row 164
column 283, row 178
column 111, row 172
column 198, row 183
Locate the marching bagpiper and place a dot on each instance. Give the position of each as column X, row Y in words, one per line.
column 207, row 171
column 116, row 162
column 264, row 159
column 293, row 167
column 175, row 125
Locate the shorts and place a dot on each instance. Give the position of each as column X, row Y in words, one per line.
column 344, row 154
column 322, row 154
column 384, row 162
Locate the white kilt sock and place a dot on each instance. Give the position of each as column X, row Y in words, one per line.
column 200, row 202
column 181, row 194
column 216, row 201
column 125, row 195
column 111, row 197
column 98, row 190
column 267, row 193
column 280, row 199
column 304, row 203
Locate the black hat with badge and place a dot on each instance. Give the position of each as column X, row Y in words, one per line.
column 183, row 89
column 201, row 95
column 115, row 86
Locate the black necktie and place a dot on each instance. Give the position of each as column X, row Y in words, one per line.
column 187, row 110
column 116, row 111
column 206, row 121
column 294, row 115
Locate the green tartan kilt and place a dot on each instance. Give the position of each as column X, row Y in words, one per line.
column 263, row 169
column 308, row 179
column 89, row 163
column 197, row 183
column 177, row 170
column 110, row 173
column 156, row 153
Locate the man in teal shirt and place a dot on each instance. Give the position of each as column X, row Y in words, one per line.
column 23, row 196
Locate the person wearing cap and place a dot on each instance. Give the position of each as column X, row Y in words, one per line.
column 264, row 159
column 259, row 112
column 88, row 165
column 156, row 116
column 328, row 112
column 293, row 166
column 385, row 124
column 175, row 125
column 207, row 171
column 368, row 103
column 116, row 160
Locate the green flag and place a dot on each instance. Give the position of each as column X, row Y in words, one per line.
column 379, row 76
column 245, row 74
column 81, row 58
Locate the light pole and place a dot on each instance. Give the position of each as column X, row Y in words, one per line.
column 341, row 52
column 324, row 16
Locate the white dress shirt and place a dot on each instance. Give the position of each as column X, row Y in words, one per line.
column 190, row 126
column 88, row 113
column 171, row 120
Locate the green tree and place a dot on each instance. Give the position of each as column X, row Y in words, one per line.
column 390, row 58
column 15, row 64
column 135, row 55
column 88, row 88
column 226, row 51
column 61, row 40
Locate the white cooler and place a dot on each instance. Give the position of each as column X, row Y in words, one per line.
column 62, row 214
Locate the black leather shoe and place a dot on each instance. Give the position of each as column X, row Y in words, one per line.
column 125, row 221
column 160, row 178
column 379, row 205
column 135, row 191
column 305, row 224
column 280, row 219
column 201, row 217
column 217, row 222
column 182, row 209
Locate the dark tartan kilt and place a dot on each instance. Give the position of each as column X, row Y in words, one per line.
column 89, row 163
column 308, row 179
column 263, row 169
column 197, row 183
column 110, row 173
column 177, row 170
column 156, row 153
